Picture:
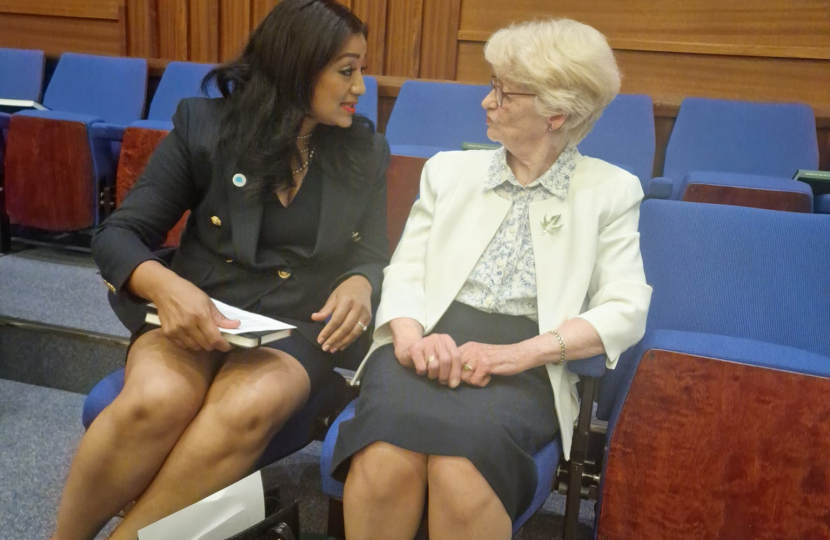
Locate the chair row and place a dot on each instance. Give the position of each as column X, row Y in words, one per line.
column 60, row 164
column 719, row 151
column 716, row 419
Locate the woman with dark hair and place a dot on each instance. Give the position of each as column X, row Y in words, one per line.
column 287, row 193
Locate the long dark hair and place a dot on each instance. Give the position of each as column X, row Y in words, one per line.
column 269, row 89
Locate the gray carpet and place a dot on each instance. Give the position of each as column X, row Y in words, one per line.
column 56, row 287
column 40, row 429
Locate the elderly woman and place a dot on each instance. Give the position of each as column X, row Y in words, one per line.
column 513, row 263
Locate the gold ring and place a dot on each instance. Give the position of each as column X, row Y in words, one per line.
column 431, row 359
column 362, row 326
column 468, row 367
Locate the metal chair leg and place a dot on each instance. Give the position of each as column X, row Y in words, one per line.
column 336, row 526
column 576, row 466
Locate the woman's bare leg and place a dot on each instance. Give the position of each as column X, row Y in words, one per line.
column 384, row 494
column 252, row 396
column 462, row 505
column 126, row 445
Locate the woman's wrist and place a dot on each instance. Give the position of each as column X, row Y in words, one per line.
column 405, row 331
column 360, row 280
column 150, row 280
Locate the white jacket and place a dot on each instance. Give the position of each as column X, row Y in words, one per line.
column 589, row 267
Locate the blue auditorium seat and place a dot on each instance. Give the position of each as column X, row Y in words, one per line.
column 431, row 117
column 62, row 152
column 771, row 140
column 21, row 77
column 624, row 135
column 180, row 80
column 737, row 290
column 367, row 105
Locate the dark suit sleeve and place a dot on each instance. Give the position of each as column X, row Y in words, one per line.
column 370, row 255
column 156, row 202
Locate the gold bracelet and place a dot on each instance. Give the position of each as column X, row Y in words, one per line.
column 561, row 347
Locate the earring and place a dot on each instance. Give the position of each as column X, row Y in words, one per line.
column 550, row 128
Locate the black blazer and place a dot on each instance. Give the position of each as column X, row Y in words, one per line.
column 218, row 250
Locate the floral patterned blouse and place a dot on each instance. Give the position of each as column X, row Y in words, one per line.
column 504, row 278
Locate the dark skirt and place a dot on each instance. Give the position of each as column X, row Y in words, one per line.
column 317, row 363
column 498, row 428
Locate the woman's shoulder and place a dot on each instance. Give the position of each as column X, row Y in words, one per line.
column 455, row 160
column 200, row 110
column 594, row 173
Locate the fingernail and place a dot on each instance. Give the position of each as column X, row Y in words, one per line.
column 334, row 351
column 325, row 348
column 454, row 383
column 319, row 340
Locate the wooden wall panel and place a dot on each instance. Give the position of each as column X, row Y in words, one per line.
column 142, row 35
column 373, row 13
column 780, row 28
column 668, row 78
column 173, row 25
column 234, row 27
column 204, row 31
column 439, row 42
column 56, row 35
column 259, row 9
column 82, row 9
column 403, row 37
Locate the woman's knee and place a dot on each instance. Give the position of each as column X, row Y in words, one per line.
column 460, row 489
column 386, row 472
column 247, row 412
column 254, row 396
column 163, row 405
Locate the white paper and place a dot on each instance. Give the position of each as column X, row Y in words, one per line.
column 217, row 517
column 250, row 322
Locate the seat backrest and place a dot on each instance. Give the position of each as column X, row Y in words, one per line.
column 733, row 271
column 21, row 74
column 367, row 105
column 624, row 135
column 114, row 89
column 770, row 139
column 180, row 80
column 438, row 114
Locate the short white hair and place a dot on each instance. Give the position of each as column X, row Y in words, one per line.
column 568, row 65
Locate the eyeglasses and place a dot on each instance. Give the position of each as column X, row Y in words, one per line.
column 501, row 93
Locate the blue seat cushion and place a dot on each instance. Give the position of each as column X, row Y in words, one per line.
column 588, row 367
column 546, row 461
column 101, row 395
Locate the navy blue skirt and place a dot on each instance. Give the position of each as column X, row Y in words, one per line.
column 498, row 428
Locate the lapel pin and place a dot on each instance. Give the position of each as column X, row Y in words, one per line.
column 551, row 223
column 239, row 180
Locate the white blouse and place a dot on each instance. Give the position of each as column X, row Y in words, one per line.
column 504, row 278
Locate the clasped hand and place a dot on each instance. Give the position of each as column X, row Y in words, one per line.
column 438, row 357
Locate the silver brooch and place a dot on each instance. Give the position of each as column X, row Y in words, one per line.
column 551, row 223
